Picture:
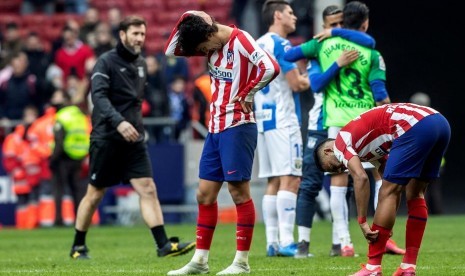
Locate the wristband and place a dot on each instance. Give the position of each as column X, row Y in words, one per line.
column 361, row 220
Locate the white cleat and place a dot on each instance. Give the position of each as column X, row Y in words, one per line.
column 191, row 268
column 236, row 268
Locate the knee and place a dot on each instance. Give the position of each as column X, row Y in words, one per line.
column 148, row 189
column 205, row 198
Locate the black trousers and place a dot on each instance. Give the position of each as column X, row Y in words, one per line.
column 66, row 174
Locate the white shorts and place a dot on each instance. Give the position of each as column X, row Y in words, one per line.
column 332, row 133
column 280, row 152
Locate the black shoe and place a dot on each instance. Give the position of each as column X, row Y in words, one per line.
column 174, row 248
column 335, row 250
column 79, row 252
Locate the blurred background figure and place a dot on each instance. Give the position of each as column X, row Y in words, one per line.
column 114, row 16
column 72, row 138
column 89, row 25
column 19, row 90
column 179, row 105
column 34, row 6
column 434, row 192
column 11, row 43
column 104, row 40
column 23, row 167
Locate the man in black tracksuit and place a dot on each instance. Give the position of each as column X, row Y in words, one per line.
column 118, row 152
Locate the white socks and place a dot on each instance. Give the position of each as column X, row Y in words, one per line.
column 286, row 204
column 304, row 233
column 200, row 256
column 241, row 257
column 377, row 186
column 270, row 218
column 340, row 213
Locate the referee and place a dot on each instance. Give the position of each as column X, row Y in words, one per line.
column 118, row 152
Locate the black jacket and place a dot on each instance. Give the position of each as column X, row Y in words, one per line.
column 118, row 84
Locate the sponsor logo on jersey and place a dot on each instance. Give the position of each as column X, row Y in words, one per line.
column 382, row 65
column 263, row 115
column 255, row 56
column 221, row 73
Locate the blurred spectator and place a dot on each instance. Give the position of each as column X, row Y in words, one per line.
column 11, row 44
column 114, row 18
column 39, row 60
column 19, row 91
column 54, row 75
column 157, row 96
column 73, row 53
column 157, row 93
column 38, row 64
column 75, row 6
column 104, row 40
column 71, row 135
column 89, row 25
column 33, row 6
column 23, row 167
column 238, row 10
column 433, row 194
column 202, row 98
column 179, row 106
column 303, row 10
column 173, row 67
column 77, row 89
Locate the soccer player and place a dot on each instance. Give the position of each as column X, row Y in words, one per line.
column 279, row 146
column 312, row 179
column 406, row 143
column 238, row 69
column 355, row 89
column 118, row 152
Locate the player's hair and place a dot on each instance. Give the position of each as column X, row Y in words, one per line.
column 318, row 153
column 194, row 30
column 268, row 9
column 331, row 10
column 132, row 20
column 355, row 13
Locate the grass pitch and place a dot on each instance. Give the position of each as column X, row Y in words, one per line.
column 120, row 250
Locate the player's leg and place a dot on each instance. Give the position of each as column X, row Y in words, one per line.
column 270, row 216
column 430, row 139
column 238, row 156
column 309, row 189
column 269, row 211
column 211, row 178
column 339, row 208
column 285, row 152
column 84, row 214
column 58, row 183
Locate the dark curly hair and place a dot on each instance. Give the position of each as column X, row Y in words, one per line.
column 355, row 13
column 317, row 153
column 194, row 30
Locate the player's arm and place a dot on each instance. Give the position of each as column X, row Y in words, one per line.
column 318, row 79
column 297, row 81
column 304, row 50
column 268, row 69
column 358, row 37
column 362, row 195
column 377, row 79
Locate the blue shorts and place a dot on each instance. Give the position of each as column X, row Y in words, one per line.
column 228, row 155
column 419, row 151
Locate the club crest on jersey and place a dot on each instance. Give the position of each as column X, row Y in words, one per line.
column 230, row 56
column 140, row 70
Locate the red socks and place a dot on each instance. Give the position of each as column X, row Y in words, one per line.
column 206, row 223
column 376, row 249
column 245, row 225
column 416, row 224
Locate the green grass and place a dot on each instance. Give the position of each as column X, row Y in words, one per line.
column 130, row 251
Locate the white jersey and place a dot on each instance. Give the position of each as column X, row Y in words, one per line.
column 276, row 106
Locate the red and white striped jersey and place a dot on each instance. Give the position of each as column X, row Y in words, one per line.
column 370, row 135
column 240, row 68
